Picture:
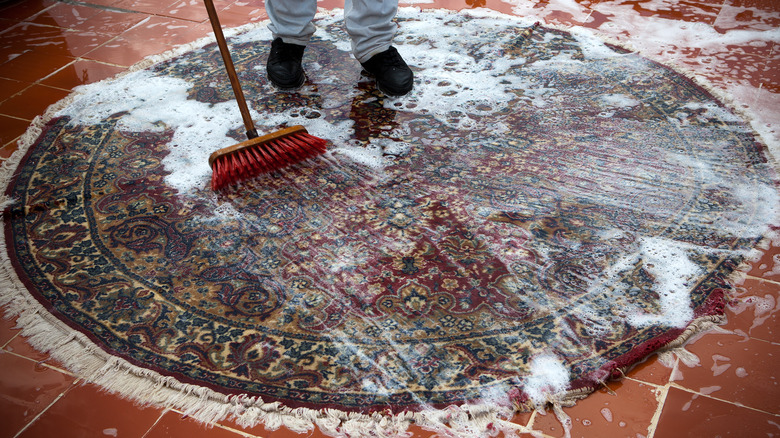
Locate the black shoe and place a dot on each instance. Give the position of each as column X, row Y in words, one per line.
column 284, row 64
column 393, row 76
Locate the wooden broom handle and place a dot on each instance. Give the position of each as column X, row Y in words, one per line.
column 251, row 132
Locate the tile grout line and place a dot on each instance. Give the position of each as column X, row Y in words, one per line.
column 42, row 363
column 735, row 403
column 529, row 428
column 661, row 400
column 164, row 411
column 75, row 60
column 40, row 414
column 28, row 17
column 21, row 119
column 216, row 424
column 664, row 392
column 762, row 279
column 2, row 347
column 236, row 431
column 122, row 10
column 14, row 144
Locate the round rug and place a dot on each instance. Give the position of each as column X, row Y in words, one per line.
column 541, row 212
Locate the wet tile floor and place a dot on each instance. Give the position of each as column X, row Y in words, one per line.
column 49, row 47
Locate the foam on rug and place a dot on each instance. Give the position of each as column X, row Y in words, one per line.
column 541, row 212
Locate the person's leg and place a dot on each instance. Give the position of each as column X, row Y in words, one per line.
column 291, row 20
column 292, row 28
column 371, row 27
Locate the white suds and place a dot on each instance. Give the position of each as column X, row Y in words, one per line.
column 548, row 377
column 156, row 103
column 674, row 274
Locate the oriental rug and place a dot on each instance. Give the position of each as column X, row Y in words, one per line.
column 543, row 211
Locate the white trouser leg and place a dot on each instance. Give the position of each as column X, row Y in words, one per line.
column 370, row 25
column 291, row 20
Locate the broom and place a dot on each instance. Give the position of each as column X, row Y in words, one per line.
column 258, row 154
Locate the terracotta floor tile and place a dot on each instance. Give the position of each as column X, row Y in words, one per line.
column 455, row 5
column 31, row 66
column 160, row 30
column 153, row 36
column 651, row 371
column 9, row 87
column 745, row 18
column 26, row 389
column 762, row 5
column 110, row 22
column 79, row 43
column 21, row 347
column 65, row 15
column 80, row 73
column 555, row 13
column 771, row 76
column 8, row 149
column 174, row 425
column 103, row 2
column 769, row 5
column 24, row 38
column 151, row 7
column 766, row 112
column 47, row 40
column 6, row 24
column 10, row 129
column 699, row 11
column 734, row 368
column 743, row 63
column 7, row 330
column 192, row 10
column 32, row 101
column 85, row 411
column 625, row 412
column 21, row 10
column 687, row 415
column 242, row 12
column 753, row 310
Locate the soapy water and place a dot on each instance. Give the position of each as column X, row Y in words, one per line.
column 463, row 90
column 672, row 41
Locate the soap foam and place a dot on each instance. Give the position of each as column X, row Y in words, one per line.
column 674, row 275
column 618, row 101
column 547, row 377
column 156, row 103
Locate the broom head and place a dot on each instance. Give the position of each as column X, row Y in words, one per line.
column 262, row 154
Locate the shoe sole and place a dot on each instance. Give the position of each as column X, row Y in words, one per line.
column 287, row 87
column 368, row 74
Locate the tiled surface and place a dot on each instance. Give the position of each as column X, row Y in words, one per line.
column 734, row 368
column 83, row 410
column 48, row 47
column 690, row 415
column 625, row 409
column 27, row 389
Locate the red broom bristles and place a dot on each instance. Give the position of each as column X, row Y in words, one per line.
column 263, row 154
